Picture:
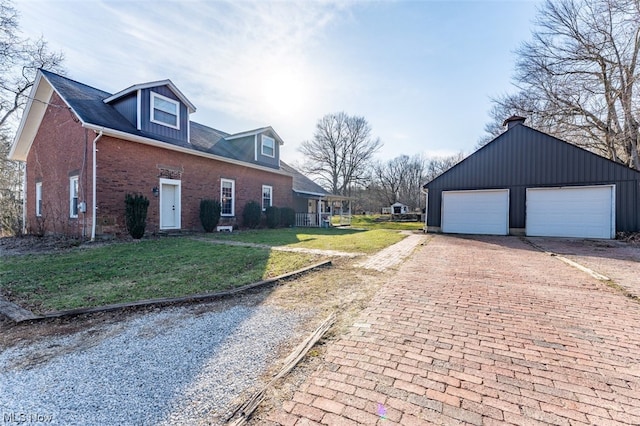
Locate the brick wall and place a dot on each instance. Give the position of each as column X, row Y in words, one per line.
column 125, row 166
column 62, row 148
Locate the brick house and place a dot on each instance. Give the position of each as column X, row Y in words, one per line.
column 85, row 149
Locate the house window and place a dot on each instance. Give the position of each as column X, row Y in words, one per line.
column 38, row 198
column 73, row 196
column 268, row 146
column 227, row 197
column 165, row 111
column 267, row 196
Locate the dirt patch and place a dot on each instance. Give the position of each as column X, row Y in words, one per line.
column 30, row 244
column 342, row 289
column 629, row 237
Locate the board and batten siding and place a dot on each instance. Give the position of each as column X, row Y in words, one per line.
column 159, row 129
column 127, row 106
column 524, row 158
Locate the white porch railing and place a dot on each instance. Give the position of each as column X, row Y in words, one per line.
column 317, row 220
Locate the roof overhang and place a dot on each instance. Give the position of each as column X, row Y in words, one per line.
column 151, row 84
column 256, row 132
column 37, row 103
column 164, row 145
column 317, row 195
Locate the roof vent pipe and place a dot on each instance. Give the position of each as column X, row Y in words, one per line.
column 514, row 120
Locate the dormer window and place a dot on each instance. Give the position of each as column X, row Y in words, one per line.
column 165, row 111
column 268, row 146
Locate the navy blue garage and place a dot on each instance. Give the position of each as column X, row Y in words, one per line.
column 526, row 182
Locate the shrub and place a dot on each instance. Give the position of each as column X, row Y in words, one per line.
column 251, row 214
column 210, row 214
column 287, row 217
column 136, row 214
column 273, row 216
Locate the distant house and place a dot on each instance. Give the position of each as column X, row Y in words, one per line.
column 529, row 183
column 85, row 149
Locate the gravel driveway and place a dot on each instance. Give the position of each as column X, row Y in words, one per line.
column 183, row 365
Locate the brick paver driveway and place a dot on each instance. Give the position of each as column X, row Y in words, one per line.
column 481, row 331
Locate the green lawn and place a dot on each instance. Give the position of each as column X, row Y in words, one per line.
column 341, row 239
column 122, row 272
column 373, row 222
column 169, row 267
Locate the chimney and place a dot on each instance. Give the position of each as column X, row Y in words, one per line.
column 512, row 121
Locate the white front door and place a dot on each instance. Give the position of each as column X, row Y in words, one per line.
column 169, row 204
column 574, row 211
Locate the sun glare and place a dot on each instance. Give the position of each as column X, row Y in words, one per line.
column 285, row 92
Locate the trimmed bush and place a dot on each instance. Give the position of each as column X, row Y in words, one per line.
column 273, row 216
column 287, row 217
column 210, row 214
column 252, row 214
column 136, row 214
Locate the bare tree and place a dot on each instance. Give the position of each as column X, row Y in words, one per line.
column 340, row 153
column 20, row 59
column 578, row 74
column 438, row 165
column 400, row 179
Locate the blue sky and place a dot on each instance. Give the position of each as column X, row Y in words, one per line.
column 421, row 72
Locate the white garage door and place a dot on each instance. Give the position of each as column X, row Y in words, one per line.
column 476, row 212
column 581, row 211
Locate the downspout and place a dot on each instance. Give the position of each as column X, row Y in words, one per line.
column 426, row 208
column 93, row 189
column 24, row 199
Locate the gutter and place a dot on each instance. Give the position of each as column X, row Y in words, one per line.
column 94, row 202
column 166, row 145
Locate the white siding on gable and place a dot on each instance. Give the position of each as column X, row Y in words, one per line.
column 476, row 212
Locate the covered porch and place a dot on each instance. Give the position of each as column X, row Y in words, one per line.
column 323, row 211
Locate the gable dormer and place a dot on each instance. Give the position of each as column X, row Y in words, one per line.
column 260, row 146
column 155, row 108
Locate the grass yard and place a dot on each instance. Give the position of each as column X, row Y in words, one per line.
column 341, row 239
column 373, row 222
column 123, row 272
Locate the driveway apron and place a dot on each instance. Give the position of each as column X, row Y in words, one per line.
column 482, row 331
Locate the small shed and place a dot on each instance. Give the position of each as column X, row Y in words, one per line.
column 526, row 182
column 399, row 208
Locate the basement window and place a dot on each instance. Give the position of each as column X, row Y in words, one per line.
column 165, row 111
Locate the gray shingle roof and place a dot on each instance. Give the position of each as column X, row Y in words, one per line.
column 301, row 183
column 88, row 103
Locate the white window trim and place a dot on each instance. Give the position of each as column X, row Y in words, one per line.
column 233, row 196
column 38, row 199
column 151, row 109
column 273, row 141
column 73, row 179
column 178, row 184
column 270, row 196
